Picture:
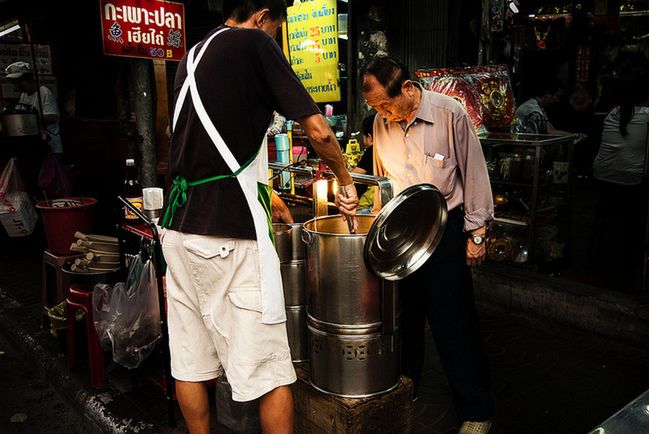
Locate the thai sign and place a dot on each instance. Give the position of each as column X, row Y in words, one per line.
column 312, row 34
column 151, row 29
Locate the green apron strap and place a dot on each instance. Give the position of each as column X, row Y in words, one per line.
column 178, row 194
column 264, row 193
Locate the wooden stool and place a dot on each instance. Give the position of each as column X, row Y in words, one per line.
column 78, row 297
column 54, row 282
column 318, row 412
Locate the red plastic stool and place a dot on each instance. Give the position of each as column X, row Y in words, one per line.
column 78, row 297
column 54, row 282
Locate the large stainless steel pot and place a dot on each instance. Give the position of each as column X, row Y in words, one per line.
column 340, row 289
column 17, row 124
column 351, row 314
column 353, row 366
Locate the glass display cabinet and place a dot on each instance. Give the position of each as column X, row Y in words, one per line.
column 531, row 179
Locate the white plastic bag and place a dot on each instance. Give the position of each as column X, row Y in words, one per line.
column 128, row 315
column 17, row 213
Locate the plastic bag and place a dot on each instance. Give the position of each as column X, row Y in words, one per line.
column 103, row 311
column 17, row 213
column 128, row 315
column 485, row 92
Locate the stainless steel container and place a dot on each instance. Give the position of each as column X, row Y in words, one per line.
column 352, row 314
column 294, row 282
column 17, row 124
column 340, row 288
column 353, row 366
column 298, row 339
column 298, row 247
column 283, row 240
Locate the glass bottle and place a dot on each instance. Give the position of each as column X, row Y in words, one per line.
column 132, row 191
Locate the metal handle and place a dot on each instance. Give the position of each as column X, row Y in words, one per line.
column 348, row 219
column 384, row 184
column 306, row 236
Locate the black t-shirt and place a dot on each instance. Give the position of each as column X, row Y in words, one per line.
column 241, row 79
column 367, row 163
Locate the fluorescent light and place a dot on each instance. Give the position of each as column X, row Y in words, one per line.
column 9, row 30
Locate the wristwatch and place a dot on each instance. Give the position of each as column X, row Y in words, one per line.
column 476, row 239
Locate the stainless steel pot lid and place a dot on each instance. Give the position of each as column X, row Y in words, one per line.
column 406, row 232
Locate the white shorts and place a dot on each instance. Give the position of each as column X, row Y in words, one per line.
column 214, row 316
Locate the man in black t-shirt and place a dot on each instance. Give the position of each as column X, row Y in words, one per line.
column 225, row 303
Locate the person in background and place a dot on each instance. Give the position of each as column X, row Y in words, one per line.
column 531, row 116
column 620, row 168
column 426, row 137
column 226, row 308
column 21, row 74
column 365, row 166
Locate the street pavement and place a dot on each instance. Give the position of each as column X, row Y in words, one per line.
column 28, row 402
column 547, row 378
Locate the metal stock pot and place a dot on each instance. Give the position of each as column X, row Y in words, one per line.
column 352, row 303
column 19, row 123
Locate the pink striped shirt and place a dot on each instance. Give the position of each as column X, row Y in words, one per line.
column 439, row 147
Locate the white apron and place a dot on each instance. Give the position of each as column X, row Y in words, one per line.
column 272, row 295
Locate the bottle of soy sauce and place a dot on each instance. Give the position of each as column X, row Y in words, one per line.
column 132, row 191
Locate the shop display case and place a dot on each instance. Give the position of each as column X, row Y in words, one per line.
column 530, row 178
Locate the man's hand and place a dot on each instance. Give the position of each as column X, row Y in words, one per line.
column 347, row 202
column 476, row 253
column 279, row 210
column 579, row 137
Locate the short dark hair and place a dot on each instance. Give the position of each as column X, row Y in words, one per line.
column 390, row 72
column 547, row 85
column 368, row 126
column 241, row 10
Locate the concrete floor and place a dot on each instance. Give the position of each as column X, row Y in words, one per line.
column 547, row 378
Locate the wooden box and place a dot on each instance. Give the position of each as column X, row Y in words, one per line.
column 317, row 412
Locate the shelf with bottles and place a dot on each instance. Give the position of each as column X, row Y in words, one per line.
column 516, row 207
column 518, row 160
column 530, row 180
column 516, row 245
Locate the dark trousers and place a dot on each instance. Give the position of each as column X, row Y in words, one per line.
column 441, row 291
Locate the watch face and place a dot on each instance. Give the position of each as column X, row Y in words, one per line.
column 477, row 239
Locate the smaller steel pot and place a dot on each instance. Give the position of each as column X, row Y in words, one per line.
column 18, row 124
column 298, row 338
column 283, row 240
column 294, row 282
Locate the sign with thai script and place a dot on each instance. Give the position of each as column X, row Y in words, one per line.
column 312, row 34
column 151, row 29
